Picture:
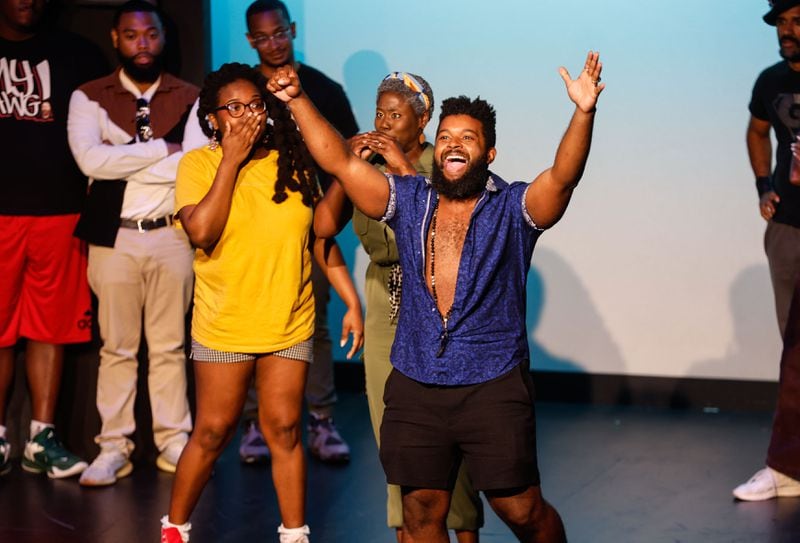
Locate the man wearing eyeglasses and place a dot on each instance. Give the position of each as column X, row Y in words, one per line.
column 125, row 131
column 271, row 33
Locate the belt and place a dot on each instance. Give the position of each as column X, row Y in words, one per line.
column 142, row 225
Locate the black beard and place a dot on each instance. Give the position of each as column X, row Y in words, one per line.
column 791, row 58
column 470, row 184
column 139, row 74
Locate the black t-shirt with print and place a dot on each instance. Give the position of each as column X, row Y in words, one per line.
column 776, row 98
column 37, row 77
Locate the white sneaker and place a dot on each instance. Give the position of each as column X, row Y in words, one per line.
column 168, row 459
column 110, row 465
column 767, row 484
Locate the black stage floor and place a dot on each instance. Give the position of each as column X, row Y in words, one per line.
column 616, row 474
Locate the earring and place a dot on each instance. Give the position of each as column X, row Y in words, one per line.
column 421, row 138
column 213, row 143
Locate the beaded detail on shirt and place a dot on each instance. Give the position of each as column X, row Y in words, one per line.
column 528, row 218
column 391, row 206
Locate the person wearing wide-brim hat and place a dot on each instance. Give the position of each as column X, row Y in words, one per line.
column 775, row 94
column 777, row 8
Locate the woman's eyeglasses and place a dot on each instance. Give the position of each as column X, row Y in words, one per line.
column 237, row 109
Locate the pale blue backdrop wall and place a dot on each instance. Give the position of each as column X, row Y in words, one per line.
column 657, row 268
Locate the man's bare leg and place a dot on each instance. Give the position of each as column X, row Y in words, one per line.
column 529, row 516
column 462, row 536
column 44, row 363
column 6, row 378
column 424, row 514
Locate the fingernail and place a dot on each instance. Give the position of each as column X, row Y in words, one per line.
column 342, row 342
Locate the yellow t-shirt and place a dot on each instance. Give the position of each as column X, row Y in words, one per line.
column 253, row 293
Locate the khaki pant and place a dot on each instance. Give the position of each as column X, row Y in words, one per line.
column 146, row 279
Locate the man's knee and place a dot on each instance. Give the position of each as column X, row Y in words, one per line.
column 423, row 508
column 521, row 508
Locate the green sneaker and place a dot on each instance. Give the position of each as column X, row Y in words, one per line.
column 45, row 454
column 5, row 456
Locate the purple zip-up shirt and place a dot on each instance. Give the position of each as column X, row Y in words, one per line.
column 486, row 331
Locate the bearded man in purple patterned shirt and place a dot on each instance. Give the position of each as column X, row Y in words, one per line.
column 460, row 390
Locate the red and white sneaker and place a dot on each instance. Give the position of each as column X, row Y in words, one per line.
column 174, row 533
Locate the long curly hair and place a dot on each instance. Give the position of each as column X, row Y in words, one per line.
column 296, row 170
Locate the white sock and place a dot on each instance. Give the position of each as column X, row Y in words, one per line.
column 182, row 528
column 294, row 534
column 3, row 431
column 37, row 426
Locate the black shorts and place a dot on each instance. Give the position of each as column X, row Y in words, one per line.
column 428, row 430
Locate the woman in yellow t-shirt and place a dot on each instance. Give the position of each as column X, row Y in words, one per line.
column 246, row 203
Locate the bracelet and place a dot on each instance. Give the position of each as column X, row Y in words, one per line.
column 763, row 184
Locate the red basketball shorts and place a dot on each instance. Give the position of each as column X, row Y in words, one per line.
column 44, row 293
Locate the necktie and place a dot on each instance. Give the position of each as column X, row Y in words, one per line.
column 143, row 129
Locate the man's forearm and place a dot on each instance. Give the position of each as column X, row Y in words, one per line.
column 95, row 155
column 759, row 149
column 573, row 150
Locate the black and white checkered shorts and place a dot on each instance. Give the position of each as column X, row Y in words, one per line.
column 303, row 351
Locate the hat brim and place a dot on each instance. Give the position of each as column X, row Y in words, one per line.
column 771, row 17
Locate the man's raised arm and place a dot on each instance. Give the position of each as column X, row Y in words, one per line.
column 551, row 191
column 364, row 185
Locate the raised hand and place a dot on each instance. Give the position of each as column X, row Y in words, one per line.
column 285, row 84
column 585, row 89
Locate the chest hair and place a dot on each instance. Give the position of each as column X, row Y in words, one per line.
column 451, row 231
